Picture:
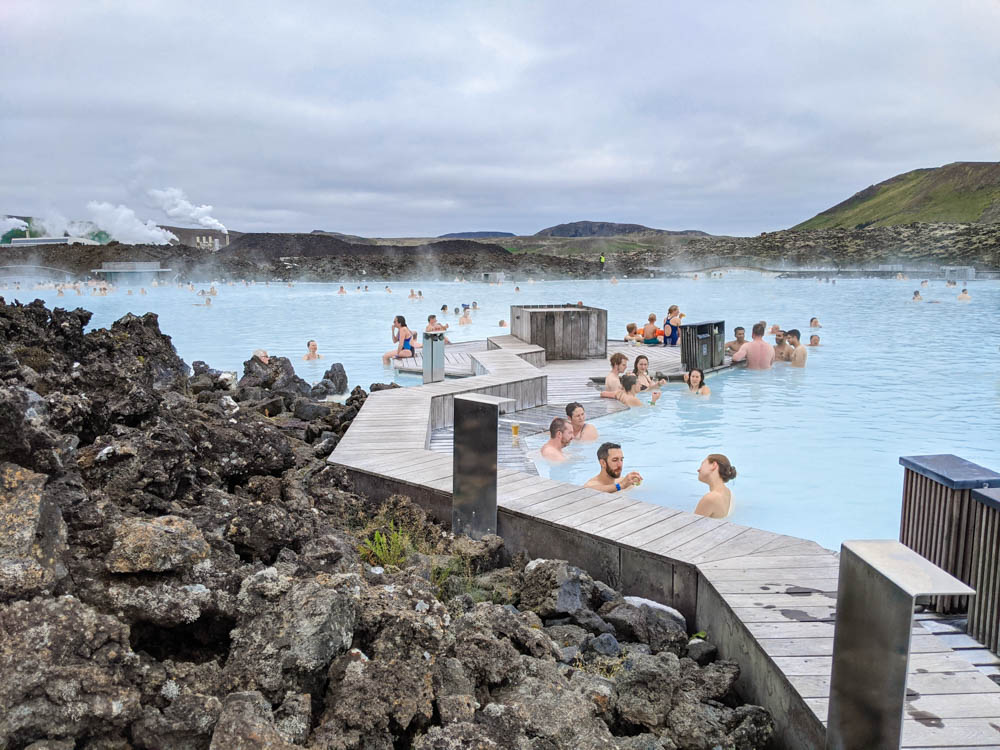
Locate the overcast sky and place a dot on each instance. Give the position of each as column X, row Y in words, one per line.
column 415, row 119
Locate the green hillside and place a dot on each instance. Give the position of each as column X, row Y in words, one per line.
column 963, row 192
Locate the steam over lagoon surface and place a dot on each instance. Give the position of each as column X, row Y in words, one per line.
column 816, row 449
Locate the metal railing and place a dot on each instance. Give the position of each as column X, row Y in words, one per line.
column 951, row 517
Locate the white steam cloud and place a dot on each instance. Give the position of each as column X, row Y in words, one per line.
column 123, row 225
column 9, row 222
column 175, row 204
column 54, row 224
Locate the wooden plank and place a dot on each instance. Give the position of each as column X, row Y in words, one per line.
column 778, row 561
column 612, row 509
column 714, row 539
column 930, row 708
column 754, row 574
column 818, row 686
column 752, row 540
column 763, row 599
column 658, row 530
column 525, row 502
column 537, row 509
column 945, row 662
column 589, row 502
column 771, row 586
column 919, row 644
column 626, row 521
column 774, row 613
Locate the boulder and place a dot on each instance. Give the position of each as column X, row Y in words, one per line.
column 645, row 688
column 701, row 651
column 185, row 724
column 291, row 642
column 32, row 534
column 64, row 671
column 307, row 410
column 650, row 625
column 163, row 543
column 337, row 376
column 554, row 587
column 247, row 723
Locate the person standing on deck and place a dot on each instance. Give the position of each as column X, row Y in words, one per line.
column 610, row 478
column 758, row 354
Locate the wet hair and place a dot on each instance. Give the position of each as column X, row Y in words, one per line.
column 558, row 425
column 444, row 308
column 965, row 291
column 630, row 327
column 618, row 358
column 431, row 317
column 672, row 308
column 628, row 381
column 793, row 332
column 814, row 336
column 758, row 329
column 739, row 328
column 310, row 341
column 727, row 471
column 916, row 292
column 814, row 319
column 635, row 365
column 605, row 449
column 700, row 372
column 401, row 320
column 571, row 407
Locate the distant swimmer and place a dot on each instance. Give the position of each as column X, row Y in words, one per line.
column 799, row 353
column 387, row 289
column 311, row 354
column 466, row 319
column 404, row 339
column 341, row 290
column 715, row 471
column 774, row 329
column 964, row 296
column 413, row 295
column 916, row 296
column 814, row 340
column 736, row 344
column 782, row 349
column 475, row 305
column 759, row 355
column 614, row 280
column 578, row 418
column 142, row 290
column 517, row 289
column 609, row 478
column 925, row 283
column 208, row 303
column 420, row 295
column 814, row 323
column 502, row 324
column 628, row 394
column 560, row 435
column 612, row 381
column 695, row 378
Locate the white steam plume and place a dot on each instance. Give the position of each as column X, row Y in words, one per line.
column 123, row 225
column 175, row 204
column 9, row 222
column 54, row 224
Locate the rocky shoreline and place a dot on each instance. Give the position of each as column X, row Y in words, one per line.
column 181, row 568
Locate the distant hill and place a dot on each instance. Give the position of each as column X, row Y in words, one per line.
column 352, row 238
column 474, row 235
column 606, row 229
column 959, row 193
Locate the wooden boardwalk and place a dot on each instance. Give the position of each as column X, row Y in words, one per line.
column 457, row 359
column 768, row 600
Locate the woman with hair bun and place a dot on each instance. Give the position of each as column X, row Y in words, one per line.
column 715, row 471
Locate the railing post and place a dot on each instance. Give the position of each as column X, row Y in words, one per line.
column 878, row 586
column 474, row 478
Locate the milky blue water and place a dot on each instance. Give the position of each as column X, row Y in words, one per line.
column 816, row 449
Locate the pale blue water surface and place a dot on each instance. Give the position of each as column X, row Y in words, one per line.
column 816, row 449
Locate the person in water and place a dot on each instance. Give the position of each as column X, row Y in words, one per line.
column 466, row 319
column 917, row 297
column 758, row 354
column 502, row 324
column 814, row 340
column 609, row 478
column 715, row 471
column 782, row 349
column 560, row 435
column 814, row 323
column 964, row 296
column 341, row 290
column 741, row 338
column 578, row 419
column 312, row 353
column 612, row 381
column 799, row 352
column 640, row 369
column 695, row 379
column 628, row 394
column 412, row 295
column 403, row 337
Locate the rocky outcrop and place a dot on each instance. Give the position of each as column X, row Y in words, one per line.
column 187, row 572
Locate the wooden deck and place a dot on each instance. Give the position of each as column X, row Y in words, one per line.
column 457, row 360
column 767, row 600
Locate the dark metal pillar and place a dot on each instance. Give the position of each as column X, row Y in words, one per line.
column 878, row 586
column 474, row 480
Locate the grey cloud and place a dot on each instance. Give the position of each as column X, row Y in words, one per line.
column 399, row 119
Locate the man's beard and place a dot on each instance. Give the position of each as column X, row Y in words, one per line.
column 613, row 473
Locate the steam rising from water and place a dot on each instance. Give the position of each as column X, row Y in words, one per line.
column 123, row 225
column 9, row 222
column 175, row 204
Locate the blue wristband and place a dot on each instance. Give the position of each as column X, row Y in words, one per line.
column 618, row 487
